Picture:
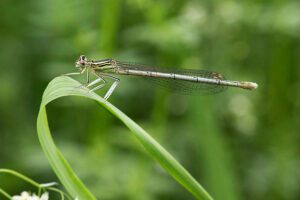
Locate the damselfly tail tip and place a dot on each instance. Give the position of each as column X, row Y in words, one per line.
column 248, row 85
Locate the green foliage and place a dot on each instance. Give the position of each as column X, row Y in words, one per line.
column 241, row 145
column 64, row 86
column 39, row 188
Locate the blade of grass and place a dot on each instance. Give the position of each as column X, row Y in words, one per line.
column 65, row 86
column 5, row 194
column 21, row 176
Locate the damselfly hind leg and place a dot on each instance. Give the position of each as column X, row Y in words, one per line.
column 112, row 87
column 95, row 82
column 110, row 90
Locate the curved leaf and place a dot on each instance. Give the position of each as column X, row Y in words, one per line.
column 65, row 86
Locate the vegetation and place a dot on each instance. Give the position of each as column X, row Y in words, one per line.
column 237, row 144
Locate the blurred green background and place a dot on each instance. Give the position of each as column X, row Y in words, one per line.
column 237, row 144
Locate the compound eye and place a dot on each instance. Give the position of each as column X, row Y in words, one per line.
column 82, row 60
column 82, row 57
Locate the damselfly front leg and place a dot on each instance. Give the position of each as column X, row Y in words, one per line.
column 80, row 73
column 75, row 73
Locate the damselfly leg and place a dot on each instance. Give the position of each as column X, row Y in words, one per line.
column 75, row 73
column 80, row 73
column 112, row 87
column 99, row 78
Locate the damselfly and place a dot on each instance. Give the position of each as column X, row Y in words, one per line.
column 184, row 80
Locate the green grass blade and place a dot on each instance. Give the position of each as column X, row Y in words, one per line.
column 65, row 86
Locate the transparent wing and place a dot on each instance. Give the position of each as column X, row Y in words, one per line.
column 180, row 86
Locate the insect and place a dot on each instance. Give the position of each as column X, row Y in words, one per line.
column 184, row 80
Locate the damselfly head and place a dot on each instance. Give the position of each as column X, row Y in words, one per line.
column 81, row 62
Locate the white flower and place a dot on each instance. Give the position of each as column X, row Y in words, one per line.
column 27, row 196
column 45, row 196
column 24, row 196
